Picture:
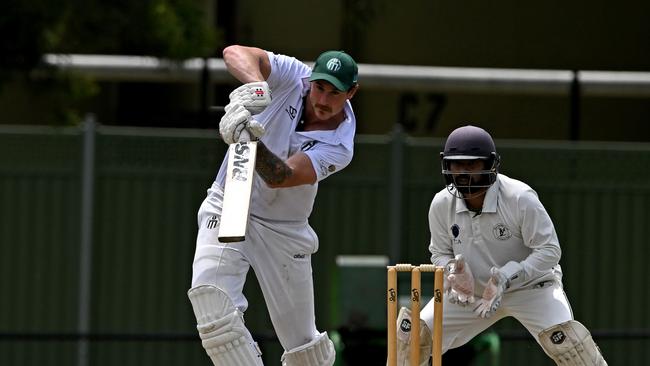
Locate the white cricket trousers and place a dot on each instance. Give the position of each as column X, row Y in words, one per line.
column 536, row 308
column 280, row 255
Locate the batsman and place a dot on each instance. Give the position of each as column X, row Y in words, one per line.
column 501, row 257
column 303, row 124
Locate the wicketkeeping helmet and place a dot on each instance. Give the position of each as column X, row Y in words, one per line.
column 470, row 143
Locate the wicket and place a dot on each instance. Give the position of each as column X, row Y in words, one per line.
column 436, row 351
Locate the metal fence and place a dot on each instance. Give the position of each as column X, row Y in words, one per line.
column 98, row 223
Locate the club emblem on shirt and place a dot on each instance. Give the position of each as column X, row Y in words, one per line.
column 455, row 231
column 501, row 232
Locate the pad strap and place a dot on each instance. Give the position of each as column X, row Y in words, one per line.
column 319, row 352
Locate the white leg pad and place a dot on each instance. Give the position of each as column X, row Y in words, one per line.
column 404, row 340
column 319, row 352
column 570, row 344
column 221, row 327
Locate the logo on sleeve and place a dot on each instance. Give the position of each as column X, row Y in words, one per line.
column 501, row 232
column 293, row 112
column 325, row 169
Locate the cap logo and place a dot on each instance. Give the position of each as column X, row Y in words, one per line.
column 334, row 64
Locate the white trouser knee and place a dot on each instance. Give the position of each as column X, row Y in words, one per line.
column 570, row 344
column 221, row 328
column 319, row 352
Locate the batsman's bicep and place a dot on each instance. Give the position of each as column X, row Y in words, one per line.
column 302, row 170
column 328, row 160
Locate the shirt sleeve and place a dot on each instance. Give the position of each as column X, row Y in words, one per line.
column 328, row 159
column 440, row 244
column 285, row 70
column 538, row 233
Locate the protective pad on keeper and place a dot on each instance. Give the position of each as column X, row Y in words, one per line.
column 319, row 352
column 570, row 344
column 404, row 339
column 221, row 327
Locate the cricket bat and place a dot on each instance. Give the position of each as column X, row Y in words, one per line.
column 237, row 192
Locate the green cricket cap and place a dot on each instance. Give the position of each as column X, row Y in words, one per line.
column 336, row 67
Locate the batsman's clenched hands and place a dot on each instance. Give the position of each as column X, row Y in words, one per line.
column 255, row 131
column 460, row 282
column 491, row 299
column 245, row 101
column 255, row 96
column 233, row 122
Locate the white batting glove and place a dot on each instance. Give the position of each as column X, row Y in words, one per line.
column 255, row 96
column 253, row 131
column 460, row 282
column 233, row 122
column 491, row 299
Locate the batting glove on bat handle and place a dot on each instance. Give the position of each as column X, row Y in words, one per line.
column 255, row 129
column 252, row 132
column 234, row 122
column 254, row 96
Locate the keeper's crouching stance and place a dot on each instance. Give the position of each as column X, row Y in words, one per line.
column 501, row 257
column 568, row 343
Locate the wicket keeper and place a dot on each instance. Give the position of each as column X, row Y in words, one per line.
column 501, row 257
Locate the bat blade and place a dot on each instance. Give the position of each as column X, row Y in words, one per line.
column 237, row 192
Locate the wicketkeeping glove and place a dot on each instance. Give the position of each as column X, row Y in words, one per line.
column 255, row 96
column 459, row 286
column 491, row 299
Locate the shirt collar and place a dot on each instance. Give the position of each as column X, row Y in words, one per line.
column 491, row 197
column 338, row 136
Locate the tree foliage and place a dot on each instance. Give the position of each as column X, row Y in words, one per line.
column 166, row 28
column 173, row 29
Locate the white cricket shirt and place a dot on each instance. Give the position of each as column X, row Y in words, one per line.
column 513, row 232
column 329, row 151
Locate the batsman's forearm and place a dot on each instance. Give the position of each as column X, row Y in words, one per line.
column 271, row 168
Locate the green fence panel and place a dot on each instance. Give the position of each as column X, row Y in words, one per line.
column 149, row 183
column 39, row 240
column 148, row 190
